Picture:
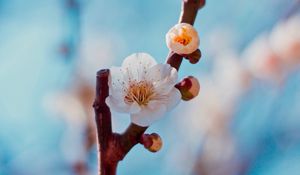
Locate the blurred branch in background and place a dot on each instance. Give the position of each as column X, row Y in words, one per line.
column 69, row 46
column 74, row 103
column 79, row 136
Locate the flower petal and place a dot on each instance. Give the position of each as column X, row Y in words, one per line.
column 149, row 114
column 136, row 66
column 160, row 72
column 134, row 108
column 174, row 99
column 117, row 80
column 163, row 76
column 163, row 88
column 119, row 105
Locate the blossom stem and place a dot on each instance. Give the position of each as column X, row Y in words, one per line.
column 113, row 147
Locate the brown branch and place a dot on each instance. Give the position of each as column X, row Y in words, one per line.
column 103, row 122
column 113, row 147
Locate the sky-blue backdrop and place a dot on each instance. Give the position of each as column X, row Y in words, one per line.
column 31, row 33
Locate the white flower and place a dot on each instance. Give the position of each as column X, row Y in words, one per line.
column 143, row 88
column 182, row 39
column 262, row 61
column 285, row 40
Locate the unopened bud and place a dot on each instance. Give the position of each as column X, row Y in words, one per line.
column 194, row 57
column 189, row 88
column 151, row 142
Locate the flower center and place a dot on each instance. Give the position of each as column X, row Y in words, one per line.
column 140, row 92
column 183, row 37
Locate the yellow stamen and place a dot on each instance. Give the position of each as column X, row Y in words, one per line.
column 140, row 92
column 183, row 37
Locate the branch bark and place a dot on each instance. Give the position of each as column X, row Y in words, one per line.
column 113, row 147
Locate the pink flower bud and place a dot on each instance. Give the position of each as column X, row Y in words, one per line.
column 189, row 88
column 151, row 142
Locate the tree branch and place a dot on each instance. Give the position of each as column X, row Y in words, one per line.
column 113, row 147
column 103, row 122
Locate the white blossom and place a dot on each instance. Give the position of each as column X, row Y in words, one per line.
column 143, row 88
column 262, row 61
column 285, row 40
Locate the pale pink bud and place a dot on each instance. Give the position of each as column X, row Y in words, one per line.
column 182, row 39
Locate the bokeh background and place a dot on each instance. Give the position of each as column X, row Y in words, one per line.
column 246, row 119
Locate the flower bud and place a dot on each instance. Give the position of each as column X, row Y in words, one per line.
column 189, row 88
column 151, row 142
column 182, row 39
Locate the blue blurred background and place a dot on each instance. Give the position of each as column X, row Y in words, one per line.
column 51, row 49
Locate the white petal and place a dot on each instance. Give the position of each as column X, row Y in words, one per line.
column 174, row 99
column 117, row 80
column 136, row 65
column 164, row 87
column 119, row 105
column 163, row 76
column 149, row 114
column 117, row 87
column 116, row 105
column 160, row 72
column 134, row 108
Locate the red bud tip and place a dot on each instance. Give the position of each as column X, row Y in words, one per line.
column 189, row 88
